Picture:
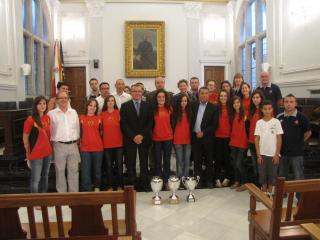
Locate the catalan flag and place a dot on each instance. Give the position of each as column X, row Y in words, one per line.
column 57, row 73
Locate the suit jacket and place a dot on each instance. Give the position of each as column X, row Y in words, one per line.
column 209, row 121
column 132, row 124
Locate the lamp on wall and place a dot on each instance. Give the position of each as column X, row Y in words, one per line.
column 26, row 69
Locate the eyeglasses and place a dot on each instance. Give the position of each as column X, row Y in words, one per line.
column 63, row 98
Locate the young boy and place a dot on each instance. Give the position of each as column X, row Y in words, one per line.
column 296, row 130
column 268, row 144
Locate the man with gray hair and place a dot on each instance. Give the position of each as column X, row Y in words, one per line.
column 120, row 95
column 270, row 91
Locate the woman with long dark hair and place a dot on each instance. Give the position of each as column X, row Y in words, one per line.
column 91, row 147
column 226, row 85
column 181, row 139
column 257, row 99
column 245, row 97
column 36, row 140
column 222, row 134
column 162, row 134
column 238, row 143
column 112, row 143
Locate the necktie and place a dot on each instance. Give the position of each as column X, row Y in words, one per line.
column 138, row 108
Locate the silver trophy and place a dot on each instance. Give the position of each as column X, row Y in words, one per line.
column 173, row 183
column 156, row 186
column 190, row 183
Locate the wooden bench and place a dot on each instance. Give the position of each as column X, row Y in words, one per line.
column 86, row 214
column 278, row 222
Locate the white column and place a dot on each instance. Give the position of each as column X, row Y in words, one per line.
column 193, row 10
column 95, row 36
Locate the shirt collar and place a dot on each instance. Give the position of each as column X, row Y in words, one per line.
column 137, row 101
column 203, row 104
column 59, row 110
column 269, row 85
column 294, row 114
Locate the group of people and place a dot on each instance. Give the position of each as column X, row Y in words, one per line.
column 212, row 128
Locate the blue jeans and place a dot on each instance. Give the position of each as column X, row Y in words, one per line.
column 238, row 164
column 296, row 163
column 89, row 160
column 114, row 160
column 162, row 151
column 183, row 152
column 39, row 174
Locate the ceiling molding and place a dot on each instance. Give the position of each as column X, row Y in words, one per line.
column 153, row 1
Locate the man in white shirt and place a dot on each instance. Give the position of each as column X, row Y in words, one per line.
column 120, row 95
column 104, row 88
column 65, row 133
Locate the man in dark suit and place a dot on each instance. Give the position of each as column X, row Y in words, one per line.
column 136, row 125
column 203, row 125
column 159, row 83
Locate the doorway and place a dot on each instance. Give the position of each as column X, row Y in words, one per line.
column 76, row 78
column 215, row 73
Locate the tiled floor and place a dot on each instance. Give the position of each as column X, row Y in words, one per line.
column 217, row 214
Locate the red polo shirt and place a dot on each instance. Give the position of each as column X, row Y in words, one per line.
column 182, row 130
column 253, row 121
column 224, row 128
column 246, row 105
column 39, row 138
column 238, row 136
column 162, row 130
column 112, row 135
column 90, row 134
column 213, row 98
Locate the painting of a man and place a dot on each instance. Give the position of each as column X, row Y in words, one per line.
column 145, row 49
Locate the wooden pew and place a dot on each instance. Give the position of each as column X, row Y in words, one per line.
column 278, row 222
column 86, row 214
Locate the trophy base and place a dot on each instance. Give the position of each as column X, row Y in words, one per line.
column 191, row 198
column 174, row 200
column 156, row 201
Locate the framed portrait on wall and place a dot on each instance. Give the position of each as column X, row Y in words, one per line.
column 144, row 49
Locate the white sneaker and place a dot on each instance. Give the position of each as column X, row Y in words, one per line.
column 97, row 189
column 218, row 183
column 225, row 182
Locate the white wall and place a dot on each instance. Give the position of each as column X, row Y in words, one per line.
column 11, row 51
column 115, row 15
column 293, row 39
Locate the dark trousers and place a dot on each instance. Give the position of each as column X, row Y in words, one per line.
column 202, row 150
column 114, row 164
column 253, row 153
column 131, row 156
column 238, row 163
column 222, row 164
column 162, row 152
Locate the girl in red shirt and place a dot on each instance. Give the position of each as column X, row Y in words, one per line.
column 162, row 134
column 91, row 148
column 213, row 95
column 181, row 138
column 257, row 98
column 222, row 135
column 36, row 140
column 245, row 96
column 112, row 143
column 238, row 143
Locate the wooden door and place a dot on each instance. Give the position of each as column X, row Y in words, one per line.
column 215, row 73
column 76, row 78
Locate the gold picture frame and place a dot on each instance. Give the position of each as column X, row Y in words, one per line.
column 144, row 49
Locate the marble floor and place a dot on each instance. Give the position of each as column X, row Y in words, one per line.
column 217, row 214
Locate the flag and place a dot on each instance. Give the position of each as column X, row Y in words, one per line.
column 57, row 73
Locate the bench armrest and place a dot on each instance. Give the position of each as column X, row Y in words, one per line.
column 258, row 194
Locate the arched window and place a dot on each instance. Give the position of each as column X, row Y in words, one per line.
column 37, row 39
column 252, row 40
